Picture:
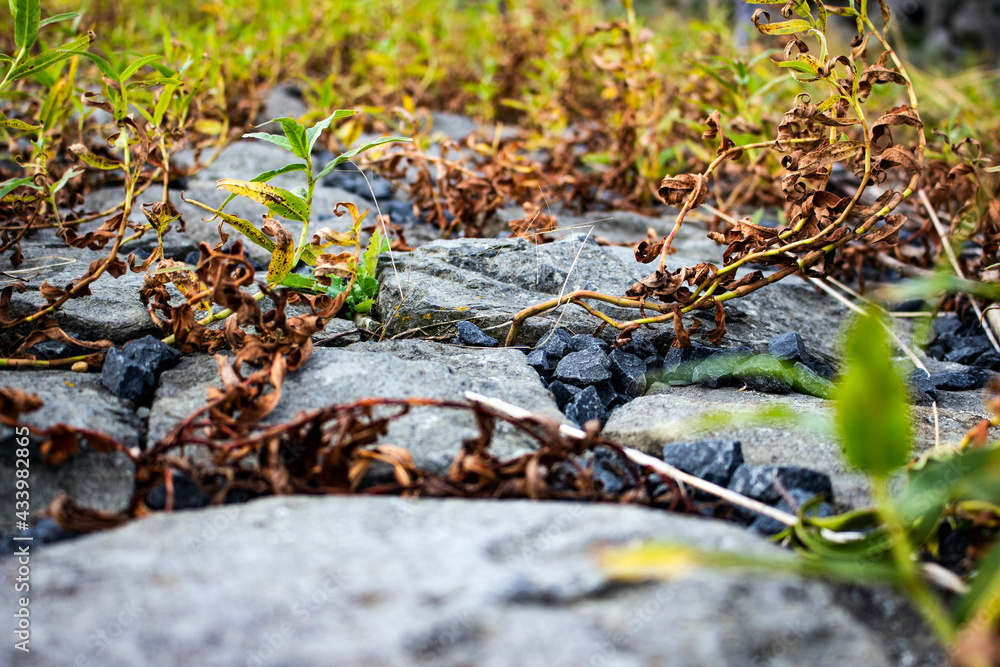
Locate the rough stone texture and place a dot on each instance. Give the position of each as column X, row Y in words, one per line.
column 97, row 480
column 490, row 280
column 714, row 460
column 470, row 334
column 585, row 367
column 585, row 406
column 757, row 482
column 392, row 369
column 132, row 371
column 111, row 312
column 628, row 373
column 353, row 580
column 788, row 347
column 668, row 414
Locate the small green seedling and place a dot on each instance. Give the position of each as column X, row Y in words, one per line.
column 296, row 206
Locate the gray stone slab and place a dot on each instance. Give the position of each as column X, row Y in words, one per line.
column 103, row 481
column 669, row 414
column 488, row 281
column 112, row 311
column 395, row 369
column 296, row 581
column 384, row 581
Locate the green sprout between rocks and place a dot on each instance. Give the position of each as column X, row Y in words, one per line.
column 327, row 271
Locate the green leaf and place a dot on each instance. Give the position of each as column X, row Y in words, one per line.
column 9, row 186
column 376, row 246
column 278, row 201
column 244, row 226
column 275, row 139
column 26, row 17
column 135, row 66
column 57, row 18
column 61, row 183
column 368, row 285
column 312, row 134
column 344, row 157
column 872, row 403
column 96, row 161
column 784, row 28
column 103, row 65
column 149, row 83
column 50, row 58
column 265, row 176
column 16, row 124
column 295, row 132
column 364, row 306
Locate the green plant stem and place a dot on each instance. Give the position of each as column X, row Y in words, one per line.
column 902, row 554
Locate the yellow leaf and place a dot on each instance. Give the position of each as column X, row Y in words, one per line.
column 284, row 251
column 95, row 161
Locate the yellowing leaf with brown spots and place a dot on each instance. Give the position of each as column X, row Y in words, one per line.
column 283, row 254
column 278, row 201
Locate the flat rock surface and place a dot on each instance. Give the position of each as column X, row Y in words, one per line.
column 393, row 369
column 382, row 581
column 111, row 312
column 490, row 280
column 667, row 414
column 425, row 293
column 103, row 481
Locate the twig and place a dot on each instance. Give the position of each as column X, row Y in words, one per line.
column 659, row 466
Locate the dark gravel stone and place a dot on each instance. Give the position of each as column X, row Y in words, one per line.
column 973, row 378
column 989, row 359
column 788, row 347
column 628, row 373
column 563, row 393
column 583, row 368
column 153, row 353
column 187, row 494
column 538, row 360
column 807, row 381
column 583, row 342
column 44, row 531
column 653, row 363
column 586, row 406
column 399, row 212
column 641, row 347
column 470, row 334
column 612, row 473
column 56, row 349
column 768, row 526
column 947, row 324
column 523, row 349
column 967, row 349
column 132, row 371
column 557, row 344
column 127, row 378
column 606, row 392
column 680, row 363
column 757, row 482
column 820, row 368
column 713, row 460
column 766, row 374
column 719, row 370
